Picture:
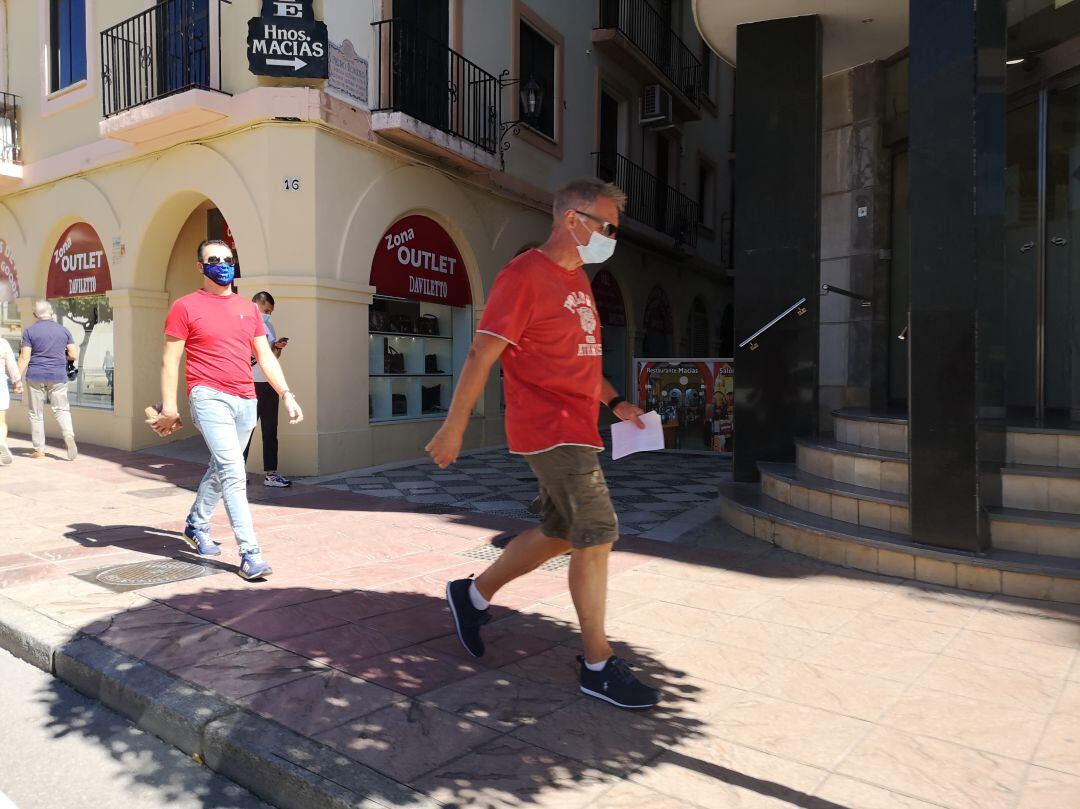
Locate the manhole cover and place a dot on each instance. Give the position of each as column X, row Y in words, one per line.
column 121, row 578
column 163, row 491
column 489, row 553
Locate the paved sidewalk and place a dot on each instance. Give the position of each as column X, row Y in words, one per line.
column 788, row 682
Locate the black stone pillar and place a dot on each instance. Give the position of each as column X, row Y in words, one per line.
column 777, row 236
column 957, row 140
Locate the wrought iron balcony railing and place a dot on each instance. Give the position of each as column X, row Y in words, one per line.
column 647, row 29
column 426, row 80
column 158, row 52
column 10, row 151
column 650, row 201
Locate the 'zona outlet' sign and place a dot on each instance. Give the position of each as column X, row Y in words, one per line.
column 79, row 265
column 287, row 41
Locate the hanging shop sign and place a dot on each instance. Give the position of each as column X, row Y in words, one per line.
column 79, row 265
column 287, row 41
column 609, row 300
column 695, row 399
column 416, row 259
column 9, row 281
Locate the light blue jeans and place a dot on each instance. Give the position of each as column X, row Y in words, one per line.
column 226, row 423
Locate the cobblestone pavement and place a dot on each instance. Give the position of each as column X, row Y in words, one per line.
column 649, row 490
column 788, row 682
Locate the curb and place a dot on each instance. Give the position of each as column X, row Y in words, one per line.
column 283, row 768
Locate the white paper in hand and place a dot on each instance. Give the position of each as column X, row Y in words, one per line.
column 627, row 438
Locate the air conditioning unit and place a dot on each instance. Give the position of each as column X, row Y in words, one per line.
column 655, row 106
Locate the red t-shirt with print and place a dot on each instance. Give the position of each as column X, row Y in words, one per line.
column 552, row 369
column 219, row 330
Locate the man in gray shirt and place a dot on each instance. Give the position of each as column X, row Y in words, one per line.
column 46, row 348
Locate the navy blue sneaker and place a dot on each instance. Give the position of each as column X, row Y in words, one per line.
column 616, row 683
column 253, row 566
column 467, row 618
column 200, row 541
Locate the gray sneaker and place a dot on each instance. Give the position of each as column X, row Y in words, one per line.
column 72, row 449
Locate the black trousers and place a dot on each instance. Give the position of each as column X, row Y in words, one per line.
column 268, row 404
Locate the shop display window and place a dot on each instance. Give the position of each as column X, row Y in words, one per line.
column 90, row 321
column 415, row 351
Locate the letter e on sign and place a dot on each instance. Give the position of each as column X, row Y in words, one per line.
column 290, row 183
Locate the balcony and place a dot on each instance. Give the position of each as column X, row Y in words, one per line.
column 160, row 72
column 635, row 34
column 658, row 206
column 431, row 99
column 11, row 170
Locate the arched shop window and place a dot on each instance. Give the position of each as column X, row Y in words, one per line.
column 10, row 321
column 699, row 329
column 419, row 324
column 657, row 325
column 612, row 311
column 78, row 279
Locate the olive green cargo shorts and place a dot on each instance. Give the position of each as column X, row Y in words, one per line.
column 576, row 503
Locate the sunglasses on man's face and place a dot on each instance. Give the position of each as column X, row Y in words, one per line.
column 606, row 228
column 212, row 260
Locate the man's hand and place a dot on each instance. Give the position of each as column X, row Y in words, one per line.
column 164, row 424
column 296, row 415
column 445, row 447
column 629, row 412
column 18, row 387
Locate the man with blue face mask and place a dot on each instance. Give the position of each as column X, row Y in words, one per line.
column 541, row 321
column 269, row 401
column 220, row 332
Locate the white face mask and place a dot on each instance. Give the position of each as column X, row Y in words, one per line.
column 599, row 249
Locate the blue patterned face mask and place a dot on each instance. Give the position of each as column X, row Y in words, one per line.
column 220, row 274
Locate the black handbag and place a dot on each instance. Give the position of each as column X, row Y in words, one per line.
column 430, row 398
column 72, row 371
column 431, row 364
column 402, row 324
column 393, row 360
column 377, row 321
column 429, row 325
column 399, row 405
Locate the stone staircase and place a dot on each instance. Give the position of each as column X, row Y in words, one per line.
column 845, row 501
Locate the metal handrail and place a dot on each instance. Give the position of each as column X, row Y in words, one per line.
column 796, row 307
column 431, row 82
column 847, row 293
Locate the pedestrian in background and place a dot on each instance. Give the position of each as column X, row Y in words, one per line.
column 43, row 361
column 268, row 400
column 9, row 372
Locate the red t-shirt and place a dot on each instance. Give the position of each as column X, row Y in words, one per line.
column 552, row 370
column 219, row 330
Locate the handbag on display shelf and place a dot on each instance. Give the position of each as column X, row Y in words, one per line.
column 429, row 325
column 403, row 324
column 377, row 320
column 430, row 398
column 393, row 360
column 431, row 364
column 399, row 405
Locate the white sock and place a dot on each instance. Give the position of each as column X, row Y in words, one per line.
column 478, row 600
column 595, row 666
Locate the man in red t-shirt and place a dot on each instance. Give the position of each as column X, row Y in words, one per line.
column 540, row 319
column 220, row 332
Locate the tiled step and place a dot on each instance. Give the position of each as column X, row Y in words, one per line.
column 873, row 508
column 1043, row 532
column 1024, row 575
column 1041, row 488
column 870, row 429
column 1036, row 446
column 852, row 464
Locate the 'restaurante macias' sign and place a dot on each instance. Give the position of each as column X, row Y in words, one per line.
column 416, row 259
column 79, row 265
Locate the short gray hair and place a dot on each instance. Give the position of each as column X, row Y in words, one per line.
column 43, row 310
column 585, row 190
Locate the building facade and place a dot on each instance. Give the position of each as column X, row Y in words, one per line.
column 906, row 319
column 376, row 205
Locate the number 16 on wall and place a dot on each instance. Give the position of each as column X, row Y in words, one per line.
column 290, row 183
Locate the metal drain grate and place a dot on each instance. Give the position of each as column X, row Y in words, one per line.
column 489, row 553
column 134, row 576
column 162, row 491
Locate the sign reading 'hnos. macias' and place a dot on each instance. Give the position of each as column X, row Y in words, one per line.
column 416, row 259
column 79, row 265
column 287, row 41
